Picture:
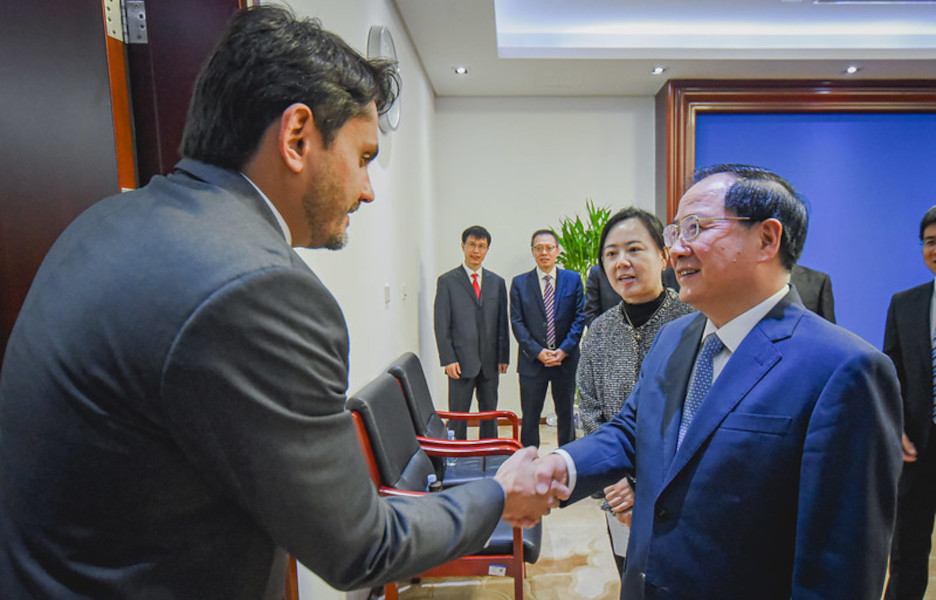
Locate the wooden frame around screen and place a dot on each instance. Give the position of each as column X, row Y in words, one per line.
column 679, row 103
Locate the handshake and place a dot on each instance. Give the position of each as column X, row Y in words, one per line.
column 534, row 485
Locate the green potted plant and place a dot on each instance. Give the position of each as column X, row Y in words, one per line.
column 580, row 238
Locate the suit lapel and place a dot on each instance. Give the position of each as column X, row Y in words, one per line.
column 920, row 328
column 534, row 291
column 756, row 355
column 488, row 289
column 465, row 284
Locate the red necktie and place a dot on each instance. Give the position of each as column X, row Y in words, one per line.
column 474, row 284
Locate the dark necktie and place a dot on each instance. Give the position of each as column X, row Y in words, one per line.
column 474, row 284
column 699, row 382
column 549, row 303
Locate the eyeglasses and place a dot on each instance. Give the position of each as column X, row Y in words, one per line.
column 690, row 228
column 544, row 248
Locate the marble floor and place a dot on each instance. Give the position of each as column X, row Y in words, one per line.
column 575, row 560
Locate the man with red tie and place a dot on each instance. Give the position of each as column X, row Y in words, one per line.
column 471, row 331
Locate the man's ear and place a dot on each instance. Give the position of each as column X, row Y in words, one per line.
column 771, row 232
column 297, row 131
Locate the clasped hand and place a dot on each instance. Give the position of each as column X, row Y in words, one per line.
column 533, row 486
column 551, row 358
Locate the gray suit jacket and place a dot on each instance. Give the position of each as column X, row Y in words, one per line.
column 172, row 415
column 470, row 331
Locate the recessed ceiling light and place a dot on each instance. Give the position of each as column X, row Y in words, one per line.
column 658, row 70
column 852, row 69
column 460, row 70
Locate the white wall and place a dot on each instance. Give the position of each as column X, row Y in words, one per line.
column 391, row 239
column 515, row 165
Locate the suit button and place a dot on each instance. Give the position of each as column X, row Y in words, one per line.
column 643, row 577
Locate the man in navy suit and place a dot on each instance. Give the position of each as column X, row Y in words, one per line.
column 908, row 340
column 471, row 331
column 547, row 318
column 767, row 462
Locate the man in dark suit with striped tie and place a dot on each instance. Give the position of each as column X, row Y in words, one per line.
column 547, row 317
column 908, row 340
column 471, row 331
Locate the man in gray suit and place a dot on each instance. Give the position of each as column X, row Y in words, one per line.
column 471, row 331
column 171, row 400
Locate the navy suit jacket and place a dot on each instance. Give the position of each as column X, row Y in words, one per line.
column 907, row 342
column 172, row 415
column 528, row 320
column 785, row 485
column 468, row 330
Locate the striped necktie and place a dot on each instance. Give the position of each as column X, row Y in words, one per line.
column 699, row 382
column 549, row 303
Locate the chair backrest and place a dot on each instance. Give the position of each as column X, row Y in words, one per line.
column 408, row 370
column 401, row 463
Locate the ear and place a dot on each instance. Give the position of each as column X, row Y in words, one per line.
column 296, row 133
column 771, row 231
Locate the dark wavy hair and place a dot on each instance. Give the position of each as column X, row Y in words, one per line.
column 268, row 59
column 761, row 194
column 653, row 225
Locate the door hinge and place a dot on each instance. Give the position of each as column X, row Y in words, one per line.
column 125, row 20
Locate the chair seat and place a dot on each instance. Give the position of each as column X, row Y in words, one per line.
column 501, row 541
column 470, row 468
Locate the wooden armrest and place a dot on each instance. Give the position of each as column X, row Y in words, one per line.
column 456, row 451
column 508, row 443
column 390, row 491
column 488, row 414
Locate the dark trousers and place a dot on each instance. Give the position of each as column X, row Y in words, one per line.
column 916, row 506
column 460, row 393
column 532, row 398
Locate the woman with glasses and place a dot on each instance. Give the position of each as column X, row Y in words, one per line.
column 633, row 256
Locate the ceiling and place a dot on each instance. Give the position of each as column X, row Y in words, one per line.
column 609, row 47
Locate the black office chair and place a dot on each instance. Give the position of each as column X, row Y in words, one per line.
column 431, row 430
column 399, row 465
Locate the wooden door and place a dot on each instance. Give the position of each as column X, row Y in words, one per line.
column 85, row 116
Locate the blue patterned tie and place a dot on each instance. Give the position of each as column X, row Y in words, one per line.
column 699, row 382
column 933, row 353
column 549, row 303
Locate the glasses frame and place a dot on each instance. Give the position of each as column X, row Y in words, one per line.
column 541, row 248
column 675, row 230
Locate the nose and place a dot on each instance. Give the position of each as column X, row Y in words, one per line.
column 679, row 248
column 367, row 194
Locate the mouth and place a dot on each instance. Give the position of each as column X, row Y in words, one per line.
column 624, row 279
column 685, row 272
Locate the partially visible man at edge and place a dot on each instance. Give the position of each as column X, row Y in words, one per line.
column 171, row 400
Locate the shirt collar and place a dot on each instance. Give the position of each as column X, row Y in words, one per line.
column 276, row 213
column 470, row 272
column 541, row 273
column 734, row 331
